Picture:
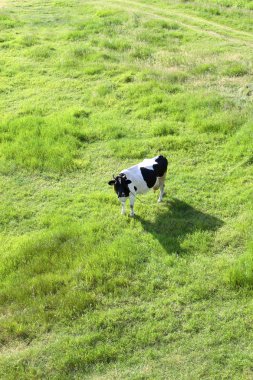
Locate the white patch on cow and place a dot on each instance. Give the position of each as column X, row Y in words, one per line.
column 134, row 174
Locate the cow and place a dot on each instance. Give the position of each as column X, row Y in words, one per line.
column 138, row 179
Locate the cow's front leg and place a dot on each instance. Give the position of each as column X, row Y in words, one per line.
column 132, row 199
column 123, row 209
column 161, row 185
column 161, row 192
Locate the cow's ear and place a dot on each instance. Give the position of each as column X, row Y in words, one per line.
column 112, row 182
column 128, row 181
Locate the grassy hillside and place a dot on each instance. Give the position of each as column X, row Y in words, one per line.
column 87, row 89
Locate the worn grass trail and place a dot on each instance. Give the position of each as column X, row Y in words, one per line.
column 196, row 23
column 88, row 89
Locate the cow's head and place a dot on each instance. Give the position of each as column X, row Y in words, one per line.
column 120, row 184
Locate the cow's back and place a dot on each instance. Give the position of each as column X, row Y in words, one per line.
column 159, row 164
column 145, row 174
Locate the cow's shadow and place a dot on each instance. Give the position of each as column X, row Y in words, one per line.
column 175, row 221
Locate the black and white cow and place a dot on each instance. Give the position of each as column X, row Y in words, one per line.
column 149, row 174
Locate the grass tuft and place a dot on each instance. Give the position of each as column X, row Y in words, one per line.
column 241, row 274
column 236, row 70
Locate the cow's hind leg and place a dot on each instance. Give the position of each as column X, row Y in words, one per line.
column 161, row 185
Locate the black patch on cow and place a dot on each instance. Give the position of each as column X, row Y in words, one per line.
column 148, row 176
column 161, row 167
column 135, row 188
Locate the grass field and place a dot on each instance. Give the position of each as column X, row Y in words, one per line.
column 88, row 88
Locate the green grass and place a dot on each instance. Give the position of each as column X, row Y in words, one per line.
column 241, row 275
column 88, row 89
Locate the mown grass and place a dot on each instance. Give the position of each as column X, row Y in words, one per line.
column 87, row 90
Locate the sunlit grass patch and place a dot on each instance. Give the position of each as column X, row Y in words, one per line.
column 213, row 10
column 160, row 32
column 236, row 70
column 80, row 113
column 41, row 52
column 240, row 145
column 127, row 77
column 196, row 109
column 141, row 52
column 29, row 40
column 147, row 92
column 64, row 273
column 231, row 12
column 109, row 126
column 176, row 76
column 8, row 22
column 163, row 141
column 116, row 44
column 44, row 252
column 129, row 148
column 84, row 359
column 108, row 22
column 161, row 24
column 37, row 143
column 81, row 51
column 205, row 68
column 113, row 272
column 224, row 121
column 93, row 70
column 69, row 61
column 150, row 110
column 164, row 128
column 112, row 17
column 42, row 264
column 148, row 38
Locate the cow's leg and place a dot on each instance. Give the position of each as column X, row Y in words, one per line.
column 132, row 199
column 162, row 184
column 161, row 193
column 123, row 209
